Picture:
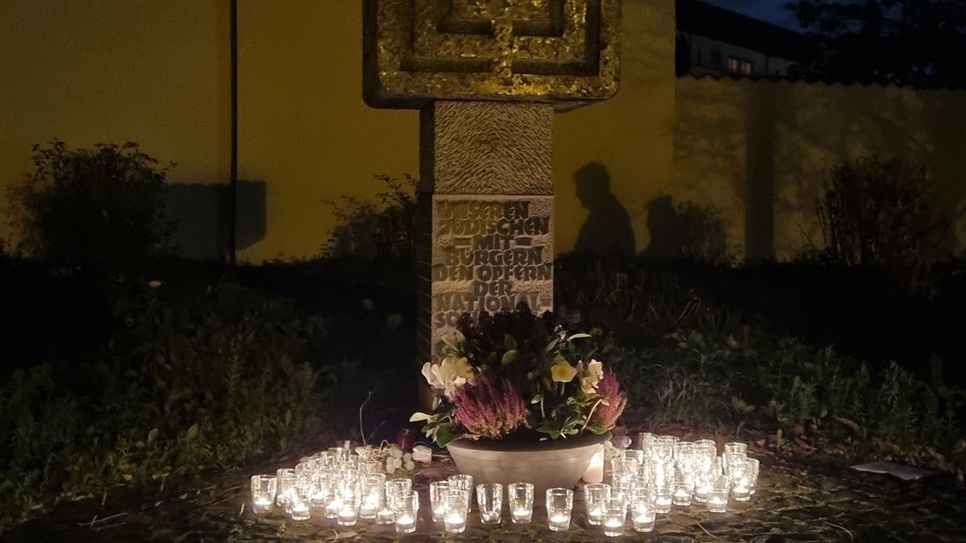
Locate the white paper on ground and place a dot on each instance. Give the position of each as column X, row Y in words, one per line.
column 906, row 473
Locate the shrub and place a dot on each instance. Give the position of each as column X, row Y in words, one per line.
column 371, row 229
column 877, row 212
column 179, row 387
column 792, row 389
column 97, row 208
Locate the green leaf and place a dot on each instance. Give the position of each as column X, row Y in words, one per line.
column 578, row 336
column 418, row 417
column 509, row 356
column 192, row 432
column 445, row 434
column 153, row 436
column 509, row 342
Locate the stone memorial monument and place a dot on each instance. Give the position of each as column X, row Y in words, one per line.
column 487, row 77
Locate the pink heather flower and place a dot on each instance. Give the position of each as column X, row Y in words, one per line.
column 490, row 407
column 610, row 391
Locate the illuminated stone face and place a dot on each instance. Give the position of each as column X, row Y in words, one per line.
column 561, row 51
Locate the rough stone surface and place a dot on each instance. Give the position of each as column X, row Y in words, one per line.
column 488, row 148
column 798, row 499
column 417, row 51
column 489, row 253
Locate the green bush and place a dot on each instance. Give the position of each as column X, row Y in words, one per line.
column 181, row 386
column 877, row 212
column 96, row 208
column 376, row 228
column 787, row 387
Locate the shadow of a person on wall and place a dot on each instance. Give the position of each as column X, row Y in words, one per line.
column 662, row 225
column 607, row 230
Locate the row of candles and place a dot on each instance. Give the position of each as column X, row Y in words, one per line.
column 662, row 472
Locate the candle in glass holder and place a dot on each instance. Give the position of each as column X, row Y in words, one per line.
column 455, row 521
column 520, row 498
column 405, row 523
column 595, row 470
column 682, row 494
column 262, row 506
column 560, row 504
column 385, row 516
column 718, row 496
column 300, row 510
column 615, row 513
column 405, row 514
column 437, row 499
column 263, row 489
column 717, row 502
column 348, row 516
column 701, row 491
column 662, row 499
column 595, row 495
column 643, row 518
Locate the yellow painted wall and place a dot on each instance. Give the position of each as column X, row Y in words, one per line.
column 156, row 71
column 86, row 71
column 303, row 127
column 736, row 141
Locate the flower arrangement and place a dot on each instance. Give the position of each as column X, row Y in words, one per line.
column 513, row 375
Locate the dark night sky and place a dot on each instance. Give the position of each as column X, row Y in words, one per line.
column 772, row 11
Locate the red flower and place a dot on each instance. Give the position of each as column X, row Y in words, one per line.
column 614, row 401
column 490, row 407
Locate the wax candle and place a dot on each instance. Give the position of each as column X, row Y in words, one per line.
column 559, row 522
column 662, row 502
column 594, row 515
column 385, row 516
column 262, row 505
column 643, row 520
column 348, row 516
column 595, row 470
column 613, row 527
column 522, row 516
column 741, row 492
column 300, row 511
column 717, row 503
column 682, row 495
column 455, row 522
column 405, row 523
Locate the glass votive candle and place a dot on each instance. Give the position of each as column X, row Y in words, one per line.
column 734, row 453
column 287, row 487
column 457, row 507
column 489, row 497
column 615, row 513
column 753, row 467
column 405, row 514
column 300, row 510
column 395, row 489
column 642, row 512
column 437, row 499
column 373, row 494
column 682, row 493
column 263, row 493
column 560, row 505
column 661, row 498
column 717, row 499
column 348, row 513
column 520, row 499
column 461, row 481
column 594, row 497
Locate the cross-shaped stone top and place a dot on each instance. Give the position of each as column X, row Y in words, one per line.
column 560, row 51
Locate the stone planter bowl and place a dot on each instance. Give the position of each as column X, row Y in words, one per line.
column 546, row 464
